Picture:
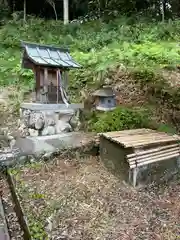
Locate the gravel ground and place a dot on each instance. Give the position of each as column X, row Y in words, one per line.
column 13, row 225
column 80, row 200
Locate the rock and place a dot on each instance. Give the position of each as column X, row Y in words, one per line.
column 20, row 113
column 12, row 143
column 19, row 122
column 39, row 124
column 4, row 131
column 9, row 156
column 66, row 117
column 10, row 137
column 26, row 117
column 22, row 159
column 47, row 155
column 4, row 142
column 108, row 81
column 36, row 120
column 23, row 131
column 75, row 122
column 49, row 119
column 49, row 130
column 30, row 158
column 62, row 126
column 6, row 156
column 22, row 126
column 33, row 132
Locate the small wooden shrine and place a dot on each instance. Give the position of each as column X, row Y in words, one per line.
column 104, row 99
column 50, row 66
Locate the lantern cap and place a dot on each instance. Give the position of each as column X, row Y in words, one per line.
column 105, row 91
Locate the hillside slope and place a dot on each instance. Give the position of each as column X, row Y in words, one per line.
column 140, row 59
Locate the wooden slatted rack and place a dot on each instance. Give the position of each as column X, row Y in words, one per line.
column 148, row 146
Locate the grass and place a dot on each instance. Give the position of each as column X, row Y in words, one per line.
column 80, row 199
column 143, row 50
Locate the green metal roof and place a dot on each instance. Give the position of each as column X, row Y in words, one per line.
column 45, row 55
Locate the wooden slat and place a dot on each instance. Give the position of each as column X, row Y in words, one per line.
column 151, row 141
column 145, row 142
column 126, row 132
column 147, row 135
column 139, row 153
column 141, row 143
column 173, row 155
column 153, row 155
column 147, row 138
column 141, row 137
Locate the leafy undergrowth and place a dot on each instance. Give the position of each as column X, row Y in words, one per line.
column 120, row 119
column 72, row 199
column 139, row 58
column 142, row 47
column 126, row 118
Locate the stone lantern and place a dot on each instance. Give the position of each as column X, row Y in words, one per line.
column 105, row 99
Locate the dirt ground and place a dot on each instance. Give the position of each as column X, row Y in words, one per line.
column 79, row 199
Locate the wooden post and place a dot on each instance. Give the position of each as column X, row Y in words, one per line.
column 66, row 80
column 46, row 84
column 130, row 175
column 36, row 71
column 135, row 173
column 57, row 78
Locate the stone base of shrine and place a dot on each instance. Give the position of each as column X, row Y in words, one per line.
column 51, row 144
column 44, row 147
column 48, row 119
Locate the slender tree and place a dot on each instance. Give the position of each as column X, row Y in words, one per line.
column 53, row 5
column 66, row 11
column 25, row 10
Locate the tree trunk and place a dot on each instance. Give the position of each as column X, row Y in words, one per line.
column 55, row 13
column 66, row 11
column 162, row 9
column 24, row 11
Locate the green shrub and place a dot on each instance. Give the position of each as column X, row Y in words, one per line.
column 120, row 119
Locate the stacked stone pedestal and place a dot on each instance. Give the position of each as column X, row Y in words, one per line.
column 48, row 119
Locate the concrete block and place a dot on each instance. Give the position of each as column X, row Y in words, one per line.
column 44, row 144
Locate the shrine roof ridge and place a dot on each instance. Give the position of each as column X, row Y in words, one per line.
column 31, row 44
column 45, row 55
